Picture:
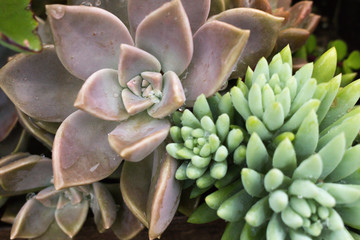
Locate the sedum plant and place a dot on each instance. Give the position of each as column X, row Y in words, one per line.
column 205, row 140
column 300, row 178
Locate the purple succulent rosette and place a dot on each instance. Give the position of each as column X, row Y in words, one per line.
column 129, row 90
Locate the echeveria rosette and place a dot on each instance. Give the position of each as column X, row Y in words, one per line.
column 301, row 176
column 147, row 78
column 206, row 143
column 63, row 213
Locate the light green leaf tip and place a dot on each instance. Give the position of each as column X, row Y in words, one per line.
column 325, row 66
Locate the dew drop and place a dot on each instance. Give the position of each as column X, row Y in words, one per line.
column 97, row 3
column 57, row 12
column 30, row 196
column 182, row 108
column 93, row 168
column 116, row 95
column 86, row 3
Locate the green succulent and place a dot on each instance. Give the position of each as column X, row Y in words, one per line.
column 348, row 63
column 301, row 179
column 205, row 140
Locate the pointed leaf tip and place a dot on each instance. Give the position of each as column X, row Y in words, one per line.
column 77, row 45
column 138, row 136
column 325, row 66
column 216, row 44
column 166, row 34
column 81, row 152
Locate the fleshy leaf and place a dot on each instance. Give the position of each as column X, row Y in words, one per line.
column 295, row 37
column 134, row 104
column 81, row 152
column 18, row 26
column 100, row 96
column 217, row 6
column 26, row 173
column 8, row 116
column 54, row 232
column 138, row 136
column 197, row 11
column 103, row 206
column 48, row 197
column 32, row 220
column 126, row 225
column 33, row 93
column 325, row 66
column 70, row 218
column 91, row 44
column 264, row 29
column 203, row 214
column 166, row 34
column 118, row 8
column 172, row 99
column 218, row 45
column 164, row 196
column 298, row 13
column 7, row 146
column 133, row 61
column 43, row 136
column 135, row 183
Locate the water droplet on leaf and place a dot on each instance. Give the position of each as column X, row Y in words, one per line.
column 86, row 3
column 93, row 168
column 97, row 3
column 57, row 12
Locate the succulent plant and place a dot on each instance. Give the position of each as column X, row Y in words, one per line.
column 347, row 63
column 63, row 212
column 298, row 24
column 301, row 175
column 136, row 72
column 205, row 140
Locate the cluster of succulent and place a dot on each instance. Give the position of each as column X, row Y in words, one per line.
column 300, row 175
column 205, row 139
column 107, row 90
